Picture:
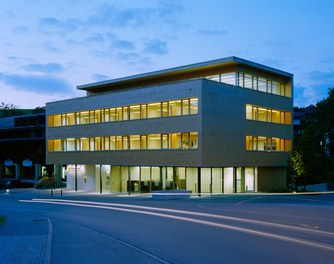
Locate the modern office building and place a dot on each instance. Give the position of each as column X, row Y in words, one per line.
column 221, row 126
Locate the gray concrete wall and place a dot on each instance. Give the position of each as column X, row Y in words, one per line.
column 271, row 179
column 224, row 126
column 160, row 93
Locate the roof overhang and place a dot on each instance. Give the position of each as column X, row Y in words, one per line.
column 181, row 73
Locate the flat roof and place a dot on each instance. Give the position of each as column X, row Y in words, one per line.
column 177, row 73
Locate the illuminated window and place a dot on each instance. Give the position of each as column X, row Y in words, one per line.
column 91, row 144
column 125, row 142
column 267, row 115
column 175, row 108
column 113, row 145
column 154, row 110
column 57, row 145
column 258, row 143
column 119, row 113
column 119, row 144
column 63, row 120
column 153, row 141
column 134, row 112
column 185, row 140
column 98, row 143
column 70, row 144
column 107, row 115
column 164, row 109
column 193, row 140
column 194, row 106
column 176, row 140
column 125, row 113
column 262, row 114
column 70, row 119
column 143, row 140
column 185, row 107
column 134, row 142
column 84, row 117
column 85, row 144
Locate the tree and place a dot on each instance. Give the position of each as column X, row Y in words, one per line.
column 312, row 159
column 9, row 110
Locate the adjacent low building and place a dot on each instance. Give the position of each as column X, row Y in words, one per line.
column 22, row 146
column 222, row 126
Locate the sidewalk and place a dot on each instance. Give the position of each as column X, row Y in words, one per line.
column 25, row 239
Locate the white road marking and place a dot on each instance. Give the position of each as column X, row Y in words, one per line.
column 231, row 218
column 118, row 207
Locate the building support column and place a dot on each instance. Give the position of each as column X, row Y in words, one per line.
column 223, row 178
column 38, row 168
column 161, row 179
column 101, row 179
column 17, row 170
column 76, row 177
column 58, row 172
column 129, row 181
column 235, row 171
column 242, row 182
column 199, row 181
column 1, row 170
column 211, row 179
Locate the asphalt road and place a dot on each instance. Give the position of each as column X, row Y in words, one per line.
column 253, row 228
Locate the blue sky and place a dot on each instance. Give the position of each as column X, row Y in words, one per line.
column 50, row 47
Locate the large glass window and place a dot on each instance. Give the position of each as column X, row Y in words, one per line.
column 70, row 144
column 175, row 108
column 154, row 110
column 84, row 117
column 119, row 114
column 259, row 143
column 193, row 140
column 185, row 141
column 125, row 113
column 134, row 142
column 153, row 141
column 85, row 144
column 135, row 112
column 194, row 106
column 176, row 140
column 188, row 106
column 185, row 107
column 113, row 143
column 164, row 141
column 268, row 115
column 143, row 140
column 164, row 109
column 113, row 113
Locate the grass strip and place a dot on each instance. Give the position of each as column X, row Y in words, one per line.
column 2, row 219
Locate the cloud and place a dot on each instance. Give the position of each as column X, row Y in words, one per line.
column 322, row 77
column 212, row 33
column 52, row 25
column 311, row 95
column 156, row 46
column 120, row 17
column 107, row 16
column 45, row 68
column 100, row 77
column 116, row 42
column 21, row 29
column 44, row 84
column 127, row 56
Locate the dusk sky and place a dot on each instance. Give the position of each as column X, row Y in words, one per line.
column 50, row 47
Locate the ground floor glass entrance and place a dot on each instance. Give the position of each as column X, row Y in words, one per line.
column 145, row 179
